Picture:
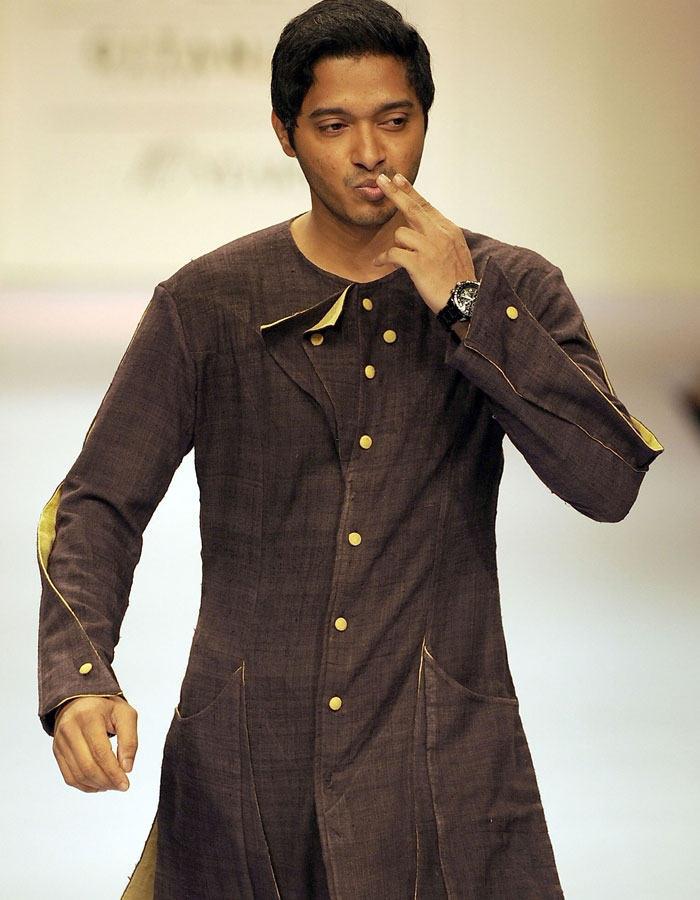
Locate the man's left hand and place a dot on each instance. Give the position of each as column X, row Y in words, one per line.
column 430, row 248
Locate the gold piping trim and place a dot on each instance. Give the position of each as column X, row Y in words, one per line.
column 644, row 433
column 78, row 696
column 420, row 682
column 255, row 792
column 46, row 535
column 330, row 318
column 575, row 424
column 602, row 364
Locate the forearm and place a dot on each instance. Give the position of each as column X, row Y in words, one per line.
column 548, row 389
column 90, row 533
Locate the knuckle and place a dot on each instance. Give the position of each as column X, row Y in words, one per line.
column 91, row 771
column 102, row 754
column 414, row 207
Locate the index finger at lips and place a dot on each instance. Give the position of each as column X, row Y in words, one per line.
column 401, row 192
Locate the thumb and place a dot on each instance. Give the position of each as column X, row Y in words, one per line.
column 124, row 718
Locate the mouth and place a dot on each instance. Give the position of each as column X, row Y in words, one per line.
column 370, row 190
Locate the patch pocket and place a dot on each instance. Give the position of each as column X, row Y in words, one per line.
column 210, row 831
column 478, row 761
column 488, row 812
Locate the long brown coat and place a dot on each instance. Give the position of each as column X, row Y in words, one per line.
column 348, row 692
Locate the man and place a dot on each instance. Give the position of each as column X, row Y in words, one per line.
column 348, row 727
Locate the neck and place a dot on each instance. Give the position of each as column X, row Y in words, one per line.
column 343, row 249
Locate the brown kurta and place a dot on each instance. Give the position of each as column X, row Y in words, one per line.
column 349, row 665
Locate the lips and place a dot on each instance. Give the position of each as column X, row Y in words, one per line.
column 369, row 190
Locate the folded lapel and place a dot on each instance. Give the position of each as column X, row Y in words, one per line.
column 287, row 341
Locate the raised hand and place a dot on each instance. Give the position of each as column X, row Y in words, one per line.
column 429, row 247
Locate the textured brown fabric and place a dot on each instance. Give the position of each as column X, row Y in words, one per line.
column 421, row 783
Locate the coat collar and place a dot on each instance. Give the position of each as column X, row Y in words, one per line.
column 287, row 340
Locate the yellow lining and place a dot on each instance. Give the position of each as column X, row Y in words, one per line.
column 46, row 535
column 644, row 433
column 330, row 318
column 141, row 885
column 333, row 314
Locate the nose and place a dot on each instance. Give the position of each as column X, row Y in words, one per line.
column 368, row 150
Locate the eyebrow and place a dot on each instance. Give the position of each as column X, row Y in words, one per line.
column 341, row 111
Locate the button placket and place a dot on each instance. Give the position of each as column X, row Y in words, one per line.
column 340, row 649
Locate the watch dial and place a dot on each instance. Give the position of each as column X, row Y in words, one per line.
column 464, row 299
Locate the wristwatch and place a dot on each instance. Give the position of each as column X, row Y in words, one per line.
column 460, row 305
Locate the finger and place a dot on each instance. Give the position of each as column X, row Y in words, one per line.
column 82, row 739
column 416, row 209
column 124, row 722
column 70, row 770
column 396, row 256
column 102, row 764
column 410, row 239
column 78, row 726
column 90, row 763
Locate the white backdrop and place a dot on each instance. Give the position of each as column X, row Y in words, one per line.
column 135, row 136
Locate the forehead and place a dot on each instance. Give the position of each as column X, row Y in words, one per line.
column 358, row 84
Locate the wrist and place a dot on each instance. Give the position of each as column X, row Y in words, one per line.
column 460, row 304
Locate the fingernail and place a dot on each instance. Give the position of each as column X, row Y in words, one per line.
column 382, row 179
column 128, row 765
column 123, row 785
column 399, row 180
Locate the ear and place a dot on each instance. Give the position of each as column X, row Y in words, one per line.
column 282, row 135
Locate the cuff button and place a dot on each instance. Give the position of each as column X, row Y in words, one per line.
column 85, row 669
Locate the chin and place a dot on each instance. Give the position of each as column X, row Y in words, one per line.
column 372, row 218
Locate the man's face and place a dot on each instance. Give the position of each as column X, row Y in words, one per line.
column 360, row 118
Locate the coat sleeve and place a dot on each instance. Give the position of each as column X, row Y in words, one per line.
column 90, row 532
column 530, row 352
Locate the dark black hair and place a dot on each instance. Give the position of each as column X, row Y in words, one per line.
column 344, row 28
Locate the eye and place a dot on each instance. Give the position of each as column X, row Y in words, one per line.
column 395, row 123
column 332, row 127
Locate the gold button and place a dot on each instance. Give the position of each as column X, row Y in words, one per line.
column 317, row 339
column 335, row 703
column 370, row 371
column 367, row 303
column 512, row 312
column 341, row 624
column 355, row 538
column 365, row 442
column 389, row 336
column 85, row 669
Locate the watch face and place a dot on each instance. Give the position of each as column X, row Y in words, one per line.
column 464, row 296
